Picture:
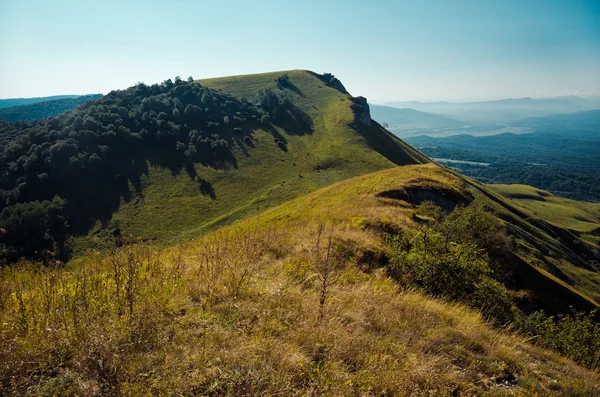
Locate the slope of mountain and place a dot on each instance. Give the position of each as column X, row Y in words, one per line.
column 167, row 161
column 501, row 110
column 10, row 102
column 241, row 311
column 406, row 122
column 40, row 110
column 300, row 290
column 335, row 147
column 580, row 218
column 549, row 260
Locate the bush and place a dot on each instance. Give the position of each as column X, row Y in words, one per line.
column 577, row 336
column 449, row 258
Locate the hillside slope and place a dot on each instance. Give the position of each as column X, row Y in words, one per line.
column 337, row 146
column 171, row 160
column 550, row 261
column 10, row 102
column 237, row 312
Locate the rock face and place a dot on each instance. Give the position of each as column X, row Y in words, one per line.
column 331, row 81
column 335, row 83
column 361, row 110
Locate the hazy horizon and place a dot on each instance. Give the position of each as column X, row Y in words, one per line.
column 456, row 51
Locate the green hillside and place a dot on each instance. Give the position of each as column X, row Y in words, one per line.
column 10, row 102
column 165, row 162
column 563, row 238
column 273, row 239
column 337, row 147
column 578, row 216
column 241, row 311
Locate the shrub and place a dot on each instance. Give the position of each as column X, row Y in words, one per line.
column 577, row 336
column 449, row 258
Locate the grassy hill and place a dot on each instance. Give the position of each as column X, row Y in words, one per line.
column 169, row 161
column 549, row 261
column 237, row 312
column 573, row 226
column 274, row 271
column 577, row 216
column 336, row 147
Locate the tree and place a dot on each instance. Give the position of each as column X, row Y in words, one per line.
column 265, row 119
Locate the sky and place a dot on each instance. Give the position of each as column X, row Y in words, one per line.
column 426, row 50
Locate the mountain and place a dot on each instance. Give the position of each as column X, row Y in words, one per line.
column 585, row 124
column 262, row 234
column 406, row 122
column 40, row 110
column 168, row 162
column 178, row 159
column 503, row 110
column 10, row 102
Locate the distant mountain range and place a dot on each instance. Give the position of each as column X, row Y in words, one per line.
column 9, row 102
column 410, row 119
column 503, row 110
column 51, row 106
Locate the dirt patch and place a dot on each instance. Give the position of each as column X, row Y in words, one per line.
column 444, row 197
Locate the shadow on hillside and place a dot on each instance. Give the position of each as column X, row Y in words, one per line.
column 205, row 186
column 290, row 86
column 384, row 143
column 127, row 185
column 295, row 122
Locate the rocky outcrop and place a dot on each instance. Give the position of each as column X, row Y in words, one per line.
column 362, row 113
column 331, row 81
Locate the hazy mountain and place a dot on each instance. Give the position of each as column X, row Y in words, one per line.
column 560, row 154
column 407, row 121
column 40, row 110
column 9, row 102
column 581, row 124
column 501, row 110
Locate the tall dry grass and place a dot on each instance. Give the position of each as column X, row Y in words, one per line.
column 243, row 312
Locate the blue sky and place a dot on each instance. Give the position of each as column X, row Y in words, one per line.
column 385, row 50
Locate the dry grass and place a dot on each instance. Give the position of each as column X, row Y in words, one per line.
column 240, row 312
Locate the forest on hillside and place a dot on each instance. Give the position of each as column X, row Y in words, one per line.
column 61, row 174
